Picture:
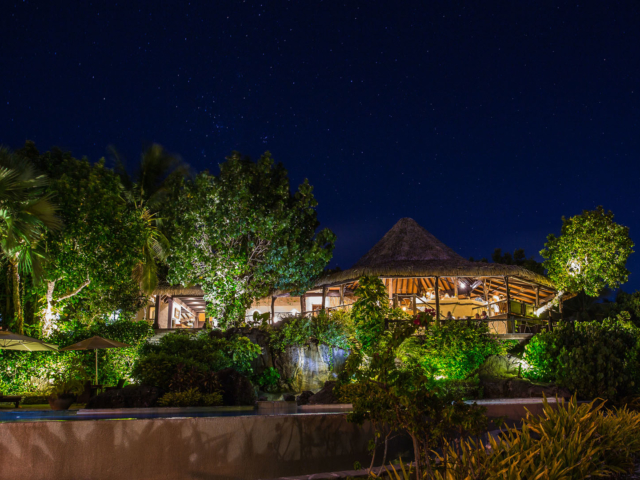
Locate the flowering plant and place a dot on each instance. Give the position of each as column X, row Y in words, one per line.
column 424, row 319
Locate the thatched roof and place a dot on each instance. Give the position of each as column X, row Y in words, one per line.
column 408, row 250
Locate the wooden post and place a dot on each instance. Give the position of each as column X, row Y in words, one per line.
column 303, row 304
column 156, row 325
column 324, row 298
column 341, row 295
column 506, row 284
column 437, row 299
column 455, row 287
column 273, row 309
column 538, row 297
column 414, row 301
column 170, row 317
column 390, row 291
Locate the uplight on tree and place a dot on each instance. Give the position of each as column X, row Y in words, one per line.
column 590, row 254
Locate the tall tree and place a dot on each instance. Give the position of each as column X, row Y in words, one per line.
column 590, row 254
column 243, row 235
column 26, row 213
column 147, row 191
column 88, row 275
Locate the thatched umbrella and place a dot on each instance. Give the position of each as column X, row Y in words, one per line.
column 13, row 341
column 95, row 343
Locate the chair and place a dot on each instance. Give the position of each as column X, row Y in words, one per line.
column 118, row 386
column 15, row 399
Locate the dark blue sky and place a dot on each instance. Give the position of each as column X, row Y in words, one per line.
column 484, row 121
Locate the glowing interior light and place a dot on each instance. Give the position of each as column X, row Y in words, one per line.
column 462, row 285
column 404, row 308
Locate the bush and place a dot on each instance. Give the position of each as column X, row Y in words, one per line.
column 182, row 361
column 594, row 359
column 190, row 398
column 568, row 442
column 22, row 372
column 453, row 350
column 326, row 328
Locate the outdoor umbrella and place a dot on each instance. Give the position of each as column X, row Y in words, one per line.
column 95, row 343
column 13, row 341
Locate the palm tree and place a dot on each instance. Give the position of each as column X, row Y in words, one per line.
column 147, row 192
column 26, row 212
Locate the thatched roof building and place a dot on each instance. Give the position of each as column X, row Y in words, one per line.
column 413, row 262
column 409, row 250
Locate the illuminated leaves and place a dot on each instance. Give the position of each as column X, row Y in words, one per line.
column 590, row 254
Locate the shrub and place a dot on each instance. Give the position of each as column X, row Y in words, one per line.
column 22, row 372
column 453, row 350
column 326, row 328
column 182, row 361
column 594, row 359
column 190, row 398
column 568, row 442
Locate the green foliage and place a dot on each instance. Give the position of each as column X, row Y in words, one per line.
column 567, row 442
column 369, row 312
column 399, row 395
column 594, row 359
column 268, row 378
column 331, row 329
column 26, row 213
column 453, row 350
column 190, row 398
column 243, row 234
column 33, row 371
column 90, row 261
column 182, row 360
column 590, row 254
column 70, row 382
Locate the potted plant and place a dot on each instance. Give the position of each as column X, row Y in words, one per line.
column 66, row 388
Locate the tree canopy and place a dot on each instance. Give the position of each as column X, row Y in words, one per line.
column 90, row 261
column 243, row 235
column 590, row 254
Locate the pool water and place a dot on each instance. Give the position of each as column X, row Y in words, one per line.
column 18, row 415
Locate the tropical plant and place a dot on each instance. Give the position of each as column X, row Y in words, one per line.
column 90, row 260
column 22, row 372
column 590, row 254
column 181, row 360
column 147, row 192
column 594, row 359
column 395, row 392
column 244, row 234
column 569, row 441
column 453, row 350
column 26, row 213
column 326, row 328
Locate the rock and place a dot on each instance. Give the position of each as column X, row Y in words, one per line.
column 308, row 367
column 324, row 396
column 289, row 397
column 519, row 388
column 497, row 366
column 236, row 388
column 131, row 396
column 303, row 398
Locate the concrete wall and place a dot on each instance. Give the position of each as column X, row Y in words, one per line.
column 249, row 447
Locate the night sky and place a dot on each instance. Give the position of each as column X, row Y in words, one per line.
column 484, row 121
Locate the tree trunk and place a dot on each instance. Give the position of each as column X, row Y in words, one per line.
column 416, row 453
column 8, row 313
column 17, row 305
column 47, row 325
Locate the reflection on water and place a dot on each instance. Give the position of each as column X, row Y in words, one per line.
column 136, row 414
